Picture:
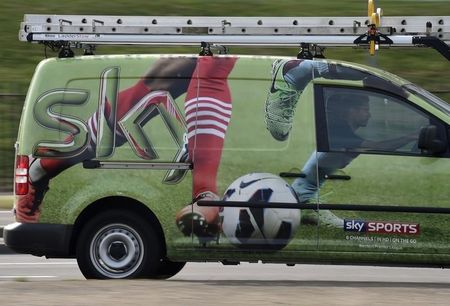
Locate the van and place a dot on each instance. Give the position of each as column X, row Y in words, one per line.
column 136, row 164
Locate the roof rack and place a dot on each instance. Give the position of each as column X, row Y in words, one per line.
column 65, row 31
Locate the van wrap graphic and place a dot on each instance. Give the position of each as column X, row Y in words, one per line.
column 230, row 118
column 107, row 101
column 75, row 129
column 382, row 227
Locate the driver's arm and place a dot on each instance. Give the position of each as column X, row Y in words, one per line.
column 390, row 144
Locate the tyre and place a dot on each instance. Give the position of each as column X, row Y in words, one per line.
column 168, row 269
column 118, row 244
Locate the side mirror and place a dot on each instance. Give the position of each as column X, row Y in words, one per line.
column 430, row 142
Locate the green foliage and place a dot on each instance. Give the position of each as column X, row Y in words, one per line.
column 6, row 202
column 18, row 59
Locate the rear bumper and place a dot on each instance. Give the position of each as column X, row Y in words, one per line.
column 50, row 240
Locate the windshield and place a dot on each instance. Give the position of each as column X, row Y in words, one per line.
column 429, row 97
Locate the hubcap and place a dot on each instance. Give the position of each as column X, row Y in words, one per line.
column 117, row 251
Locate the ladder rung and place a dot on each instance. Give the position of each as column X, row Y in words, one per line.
column 162, row 30
column 226, row 30
column 151, row 21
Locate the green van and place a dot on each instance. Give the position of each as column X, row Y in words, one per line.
column 136, row 164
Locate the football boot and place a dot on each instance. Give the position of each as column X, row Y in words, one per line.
column 28, row 206
column 202, row 221
column 280, row 103
column 322, row 217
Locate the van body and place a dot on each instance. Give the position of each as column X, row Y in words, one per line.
column 113, row 150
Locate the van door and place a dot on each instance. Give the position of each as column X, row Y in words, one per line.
column 111, row 128
column 145, row 144
column 381, row 190
column 254, row 156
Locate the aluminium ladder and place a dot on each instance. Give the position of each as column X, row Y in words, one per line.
column 84, row 31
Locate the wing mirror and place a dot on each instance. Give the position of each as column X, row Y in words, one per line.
column 429, row 141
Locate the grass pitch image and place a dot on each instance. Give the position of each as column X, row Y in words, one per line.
column 137, row 164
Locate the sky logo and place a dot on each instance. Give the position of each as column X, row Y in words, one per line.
column 382, row 227
column 355, row 226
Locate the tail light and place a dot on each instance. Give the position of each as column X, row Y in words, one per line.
column 21, row 175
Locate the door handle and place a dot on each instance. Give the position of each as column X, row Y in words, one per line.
column 337, row 177
column 292, row 174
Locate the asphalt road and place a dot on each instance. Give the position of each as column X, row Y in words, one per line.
column 26, row 279
column 37, row 281
column 21, row 267
column 6, row 217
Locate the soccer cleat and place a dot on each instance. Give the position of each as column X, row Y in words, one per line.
column 280, row 103
column 202, row 221
column 323, row 217
column 28, row 206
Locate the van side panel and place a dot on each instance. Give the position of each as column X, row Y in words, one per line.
column 86, row 115
column 165, row 125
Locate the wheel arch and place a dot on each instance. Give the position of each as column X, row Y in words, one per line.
column 117, row 203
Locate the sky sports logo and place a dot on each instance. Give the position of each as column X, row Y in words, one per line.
column 378, row 227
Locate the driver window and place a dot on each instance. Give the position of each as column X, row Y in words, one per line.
column 366, row 121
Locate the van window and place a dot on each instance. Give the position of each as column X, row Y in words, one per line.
column 367, row 121
column 429, row 98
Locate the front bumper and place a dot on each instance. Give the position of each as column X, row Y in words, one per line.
column 50, row 240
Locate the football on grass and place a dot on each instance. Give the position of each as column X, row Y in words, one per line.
column 259, row 226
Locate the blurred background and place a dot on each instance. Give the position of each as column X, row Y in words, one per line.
column 18, row 60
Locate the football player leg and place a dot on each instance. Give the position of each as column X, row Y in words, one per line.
column 289, row 79
column 318, row 166
column 159, row 78
column 41, row 171
column 208, row 113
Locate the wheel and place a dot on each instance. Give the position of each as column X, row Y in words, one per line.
column 168, row 269
column 118, row 244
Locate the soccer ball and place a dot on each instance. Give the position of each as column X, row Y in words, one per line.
column 265, row 228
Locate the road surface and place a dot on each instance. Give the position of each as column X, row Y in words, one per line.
column 25, row 279
column 28, row 279
column 6, row 217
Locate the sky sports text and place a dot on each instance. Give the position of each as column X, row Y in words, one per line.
column 382, row 227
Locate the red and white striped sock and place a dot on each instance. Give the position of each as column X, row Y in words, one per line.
column 208, row 114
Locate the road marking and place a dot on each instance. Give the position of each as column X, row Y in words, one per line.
column 36, row 263
column 26, row 276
